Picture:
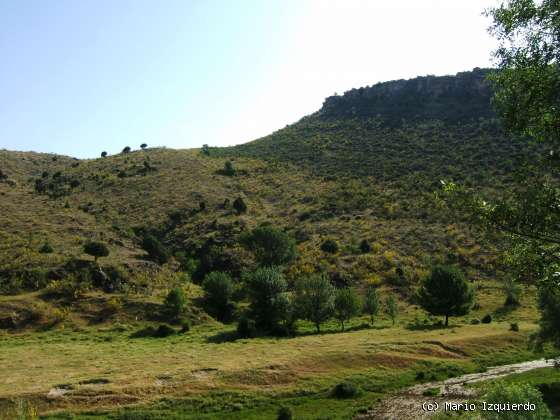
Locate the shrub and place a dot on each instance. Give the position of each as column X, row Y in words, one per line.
column 431, row 392
column 175, row 303
column 487, row 319
column 284, row 413
column 315, row 299
column 103, row 154
column 164, row 330
column 346, row 305
column 246, row 327
column 365, row 246
column 514, row 326
column 239, row 205
column 512, row 291
column 228, row 170
column 205, row 150
column 46, row 248
column 345, row 390
column 218, row 289
column 127, row 149
column 269, row 245
column 475, row 321
column 155, row 249
column 143, row 146
column 522, row 394
column 96, row 249
column 329, row 246
column 445, row 292
column 391, row 308
column 185, row 326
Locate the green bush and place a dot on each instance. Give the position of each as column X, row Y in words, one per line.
column 175, row 303
column 346, row 305
column 239, row 205
column 246, row 327
column 345, row 390
column 96, row 249
column 155, row 249
column 218, row 289
column 315, row 299
column 284, row 413
column 270, row 246
column 487, row 319
column 46, row 248
column 523, row 394
column 514, row 326
column 365, row 246
column 329, row 246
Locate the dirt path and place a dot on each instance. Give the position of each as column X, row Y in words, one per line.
column 409, row 403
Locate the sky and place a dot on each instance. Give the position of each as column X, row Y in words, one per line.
column 80, row 77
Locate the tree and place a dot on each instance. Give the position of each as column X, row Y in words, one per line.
column 446, row 292
column 205, row 150
column 143, row 146
column 365, row 246
column 175, row 303
column 269, row 303
column 103, row 154
column 329, row 246
column 371, row 303
column 127, row 149
column 96, row 249
column 228, row 170
column 391, row 308
column 269, row 245
column 346, row 305
column 315, row 299
column 239, row 205
column 218, row 289
column 155, row 249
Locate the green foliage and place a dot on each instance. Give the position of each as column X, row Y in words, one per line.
column 284, row 413
column 522, row 394
column 143, row 146
column 246, row 327
column 330, row 246
column 315, row 299
column 229, row 169
column 239, row 205
column 514, row 326
column 218, row 289
column 269, row 303
column 512, row 291
column 96, row 249
column 155, row 249
column 345, row 390
column 346, row 305
column 549, row 304
column 446, row 292
column 205, row 150
column 270, row 246
column 371, row 303
column 127, row 149
column 175, row 303
column 46, row 248
column 391, row 308
column 103, row 154
column 486, row 319
column 365, row 246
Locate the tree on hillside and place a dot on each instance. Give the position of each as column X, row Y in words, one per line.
column 228, row 170
column 371, row 303
column 143, row 146
column 446, row 292
column 391, row 308
column 269, row 303
column 175, row 303
column 205, row 150
column 96, row 249
column 103, row 154
column 315, row 299
column 269, row 245
column 127, row 149
column 239, row 205
column 218, row 289
column 526, row 97
column 346, row 305
column 155, row 249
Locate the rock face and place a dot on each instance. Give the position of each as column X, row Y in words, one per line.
column 465, row 96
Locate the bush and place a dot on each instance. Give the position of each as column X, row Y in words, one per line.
column 365, row 246
column 246, row 327
column 329, row 246
column 475, row 321
column 127, row 149
column 523, row 394
column 185, row 326
column 487, row 319
column 218, row 289
column 239, row 205
column 46, row 248
column 345, row 390
column 284, row 413
column 155, row 249
column 175, row 303
column 103, row 154
column 514, row 326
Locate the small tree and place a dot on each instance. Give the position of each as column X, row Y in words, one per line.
column 512, row 290
column 270, row 246
column 218, row 289
column 127, row 149
column 269, row 305
column 391, row 308
column 365, row 246
column 239, row 205
column 155, row 249
column 445, row 292
column 96, row 249
column 175, row 303
column 103, row 154
column 315, row 299
column 346, row 305
column 229, row 170
column 329, row 246
column 371, row 303
column 205, row 150
column 143, row 146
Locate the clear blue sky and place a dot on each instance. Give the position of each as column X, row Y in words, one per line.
column 78, row 77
